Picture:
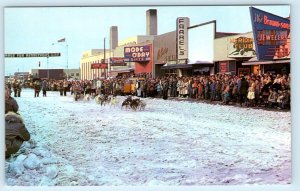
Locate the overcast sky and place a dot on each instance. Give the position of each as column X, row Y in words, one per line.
column 34, row 30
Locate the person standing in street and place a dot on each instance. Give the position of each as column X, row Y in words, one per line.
column 65, row 86
column 37, row 88
column 243, row 90
column 19, row 89
column 44, row 88
column 15, row 87
column 165, row 89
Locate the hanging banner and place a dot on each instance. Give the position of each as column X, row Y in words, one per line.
column 182, row 24
column 271, row 35
column 27, row 55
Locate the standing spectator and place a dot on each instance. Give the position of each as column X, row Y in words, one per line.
column 144, row 88
column 251, row 94
column 185, row 88
column 195, row 89
column 44, row 88
column 226, row 94
column 174, row 88
column 165, row 89
column 37, row 88
column 266, row 91
column 179, row 87
column 283, row 100
column 65, row 87
column 158, row 89
column 138, row 88
column 243, row 90
column 272, row 100
column 61, row 88
column 19, row 89
column 15, row 87
column 206, row 89
column 212, row 90
column 200, row 90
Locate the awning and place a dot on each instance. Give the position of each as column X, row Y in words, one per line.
column 120, row 71
column 250, row 63
column 159, row 63
column 176, row 66
column 188, row 66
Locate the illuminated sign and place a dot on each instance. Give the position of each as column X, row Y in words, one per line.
column 271, row 35
column 241, row 47
column 137, row 53
column 182, row 24
column 31, row 55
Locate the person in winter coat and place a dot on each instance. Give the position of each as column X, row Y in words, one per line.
column 37, row 88
column 44, row 87
column 15, row 85
column 244, row 85
column 19, row 89
column 65, row 87
column 272, row 100
column 165, row 89
column 158, row 89
column 10, row 103
column 15, row 133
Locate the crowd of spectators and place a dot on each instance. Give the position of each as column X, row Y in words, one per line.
column 267, row 90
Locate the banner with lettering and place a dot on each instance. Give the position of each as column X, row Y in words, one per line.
column 271, row 35
column 137, row 53
column 117, row 61
column 182, row 24
column 241, row 46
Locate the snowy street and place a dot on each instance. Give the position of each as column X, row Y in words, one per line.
column 169, row 143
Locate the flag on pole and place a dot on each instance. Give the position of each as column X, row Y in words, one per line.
column 62, row 40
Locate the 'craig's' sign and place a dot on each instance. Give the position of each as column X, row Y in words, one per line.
column 137, row 53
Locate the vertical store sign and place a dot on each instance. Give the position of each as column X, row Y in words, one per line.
column 182, row 24
column 271, row 35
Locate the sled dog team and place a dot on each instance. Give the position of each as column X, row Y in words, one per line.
column 102, row 99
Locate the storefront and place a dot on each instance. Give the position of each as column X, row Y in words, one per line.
column 231, row 51
column 281, row 66
column 272, row 43
column 164, row 52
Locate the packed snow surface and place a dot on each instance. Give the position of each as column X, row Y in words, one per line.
column 169, row 143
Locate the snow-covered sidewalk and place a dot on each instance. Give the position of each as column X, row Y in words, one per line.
column 169, row 143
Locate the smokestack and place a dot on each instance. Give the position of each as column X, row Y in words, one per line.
column 113, row 37
column 151, row 22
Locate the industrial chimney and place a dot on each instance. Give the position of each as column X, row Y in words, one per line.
column 151, row 22
column 113, row 37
